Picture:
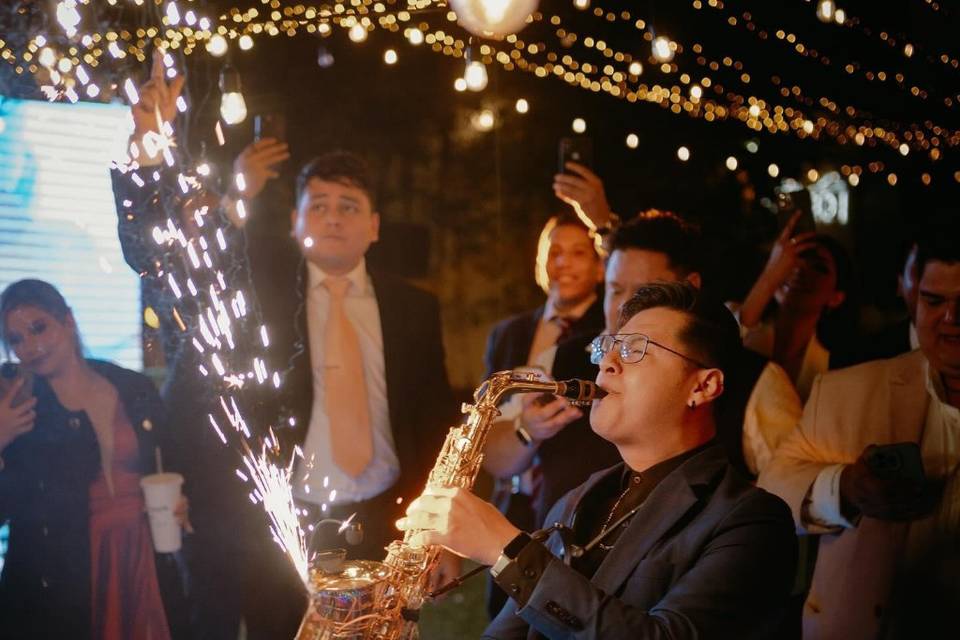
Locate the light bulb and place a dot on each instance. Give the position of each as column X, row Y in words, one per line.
column 173, row 13
column 853, row 179
column 695, row 92
column 245, row 42
column 493, row 18
column 581, row 4
column 773, row 170
column 233, row 108
column 840, row 16
column 579, row 125
column 357, row 33
column 825, row 10
column 390, row 56
column 476, row 76
column 752, row 146
column 522, row 106
column 324, row 58
column 633, row 141
column 662, row 49
column 683, row 153
column 484, row 120
column 217, row 45
column 813, row 175
column 635, row 68
column 460, row 84
column 732, row 163
column 415, row 36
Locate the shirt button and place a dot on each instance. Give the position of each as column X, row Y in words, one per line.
column 529, row 573
column 514, row 588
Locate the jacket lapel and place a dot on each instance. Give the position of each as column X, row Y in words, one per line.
column 908, row 398
column 671, row 500
column 391, row 326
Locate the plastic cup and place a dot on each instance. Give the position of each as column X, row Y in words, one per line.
column 161, row 493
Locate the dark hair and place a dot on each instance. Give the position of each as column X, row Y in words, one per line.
column 33, row 293
column 662, row 232
column 711, row 336
column 338, row 166
column 939, row 240
column 837, row 327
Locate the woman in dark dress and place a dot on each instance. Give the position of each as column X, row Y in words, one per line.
column 80, row 562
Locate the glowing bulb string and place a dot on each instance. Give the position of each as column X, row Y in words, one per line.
column 606, row 82
column 850, row 66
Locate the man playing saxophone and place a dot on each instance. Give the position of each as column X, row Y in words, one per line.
column 672, row 542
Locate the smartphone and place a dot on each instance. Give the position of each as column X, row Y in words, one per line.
column 270, row 125
column 900, row 461
column 10, row 372
column 788, row 203
column 579, row 149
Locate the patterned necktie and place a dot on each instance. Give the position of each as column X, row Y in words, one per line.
column 565, row 325
column 351, row 440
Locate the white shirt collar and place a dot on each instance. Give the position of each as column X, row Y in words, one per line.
column 550, row 310
column 357, row 276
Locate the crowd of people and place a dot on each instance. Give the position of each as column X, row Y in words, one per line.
column 756, row 470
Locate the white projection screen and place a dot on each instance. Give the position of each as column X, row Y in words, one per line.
column 58, row 220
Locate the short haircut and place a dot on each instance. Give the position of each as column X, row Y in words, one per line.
column 711, row 336
column 343, row 167
column 666, row 233
column 938, row 240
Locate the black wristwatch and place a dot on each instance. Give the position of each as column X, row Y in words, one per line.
column 510, row 552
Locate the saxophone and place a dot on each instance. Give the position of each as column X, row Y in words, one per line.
column 364, row 600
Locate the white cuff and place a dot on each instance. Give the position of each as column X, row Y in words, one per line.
column 824, row 506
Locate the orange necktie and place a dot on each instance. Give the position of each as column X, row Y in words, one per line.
column 351, row 441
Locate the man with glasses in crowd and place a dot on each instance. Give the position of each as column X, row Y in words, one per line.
column 673, row 541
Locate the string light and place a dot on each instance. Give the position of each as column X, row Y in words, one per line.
column 245, row 42
column 217, row 45
column 522, row 106
column 233, row 108
column 390, row 56
column 493, row 18
column 825, row 10
column 663, row 49
column 683, row 154
column 579, row 125
column 773, row 170
column 460, row 84
column 358, row 33
column 483, row 120
column 475, row 75
column 731, row 163
column 635, row 68
column 414, row 36
column 633, row 141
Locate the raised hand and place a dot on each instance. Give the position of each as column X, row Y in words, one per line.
column 583, row 188
column 786, row 251
column 158, row 99
column 258, row 163
column 15, row 420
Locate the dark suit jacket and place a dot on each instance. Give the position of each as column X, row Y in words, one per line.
column 45, row 590
column 707, row 556
column 263, row 258
column 508, row 344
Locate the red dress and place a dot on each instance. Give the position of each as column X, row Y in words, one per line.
column 126, row 595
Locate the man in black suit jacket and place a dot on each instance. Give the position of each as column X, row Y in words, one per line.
column 671, row 543
column 237, row 569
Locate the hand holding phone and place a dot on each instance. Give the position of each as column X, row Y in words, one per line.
column 16, row 403
column 579, row 150
column 887, row 482
column 269, row 125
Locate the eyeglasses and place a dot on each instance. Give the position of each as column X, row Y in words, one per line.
column 633, row 346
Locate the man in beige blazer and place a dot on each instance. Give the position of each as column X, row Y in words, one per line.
column 889, row 556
